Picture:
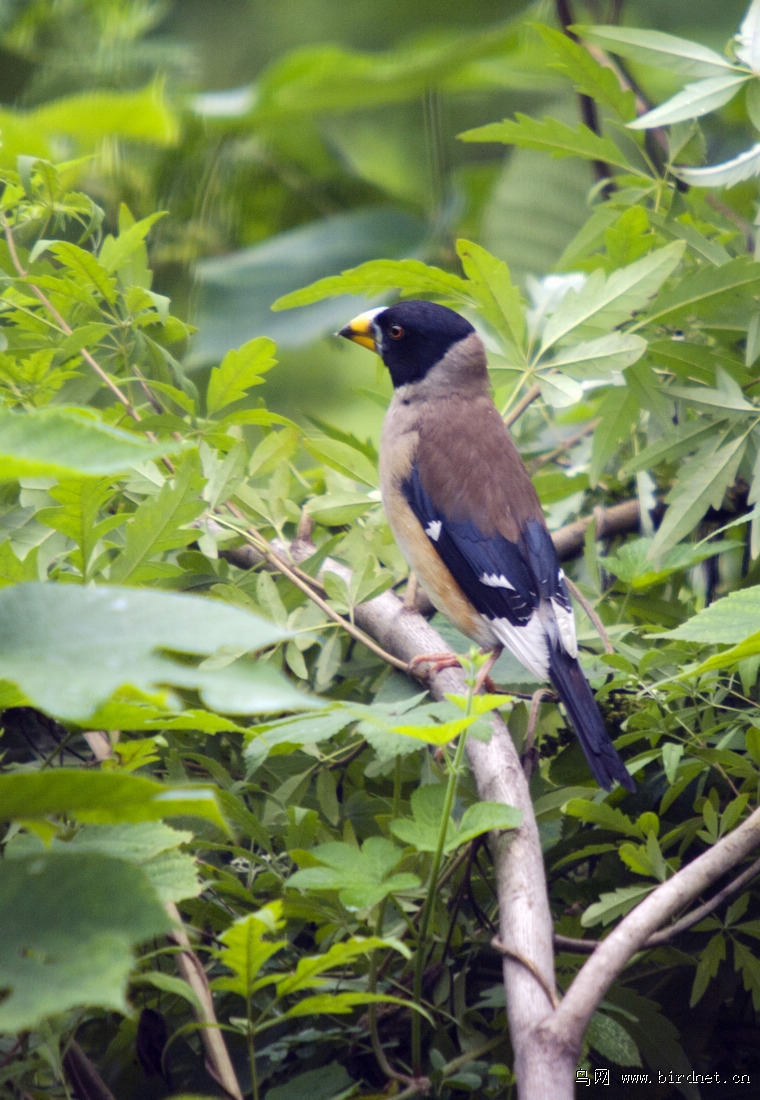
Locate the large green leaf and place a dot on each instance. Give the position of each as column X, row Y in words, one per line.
column 56, row 442
column 103, row 798
column 361, row 877
column 69, row 924
column 410, row 277
column 87, row 118
column 659, row 49
column 549, row 135
column 69, row 647
column 709, row 287
column 235, row 292
column 694, row 101
column 605, row 302
column 701, row 484
column 726, row 621
column 160, row 524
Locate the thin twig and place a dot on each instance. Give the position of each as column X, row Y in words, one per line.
column 526, row 400
column 550, row 993
column 192, row 971
column 592, row 614
column 67, row 330
column 294, row 576
column 537, row 463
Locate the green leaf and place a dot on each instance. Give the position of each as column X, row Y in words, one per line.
column 411, row 278
column 160, row 524
column 239, row 371
column 694, row 101
column 600, row 813
column 101, row 797
column 60, row 442
column 83, row 264
column 482, row 817
column 69, row 925
column 589, row 77
column 346, row 459
column 611, row 1040
column 744, row 166
column 551, row 136
column 726, row 621
column 745, row 961
column 90, row 116
column 329, row 1082
column 245, row 950
column 608, row 302
column 423, row 831
column 559, row 391
column 632, row 562
column 613, row 905
column 656, row 48
column 69, row 647
column 618, row 413
column 500, row 301
column 116, row 252
column 596, row 359
column 327, row 1003
column 708, row 287
column 707, row 967
column 701, row 485
column 310, row 970
column 362, row 878
column 336, row 509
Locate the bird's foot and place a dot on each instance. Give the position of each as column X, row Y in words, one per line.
column 439, row 661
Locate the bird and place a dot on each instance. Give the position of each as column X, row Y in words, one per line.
column 465, row 514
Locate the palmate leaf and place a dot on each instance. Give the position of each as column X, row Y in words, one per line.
column 246, row 946
column 70, row 647
column 70, row 922
column 694, row 101
column 551, row 136
column 104, row 798
column 605, row 302
column 60, row 442
column 592, row 359
column 726, row 621
column 500, row 301
column 362, row 878
column 589, row 77
column 656, row 48
column 161, row 523
column 423, row 829
column 411, row 278
column 240, row 370
column 701, row 484
column 708, row 288
column 745, row 166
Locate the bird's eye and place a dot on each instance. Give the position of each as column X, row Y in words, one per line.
column 396, row 332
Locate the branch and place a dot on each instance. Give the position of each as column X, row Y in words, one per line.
column 667, row 935
column 568, row 1024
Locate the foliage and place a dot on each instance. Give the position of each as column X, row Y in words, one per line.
column 327, row 863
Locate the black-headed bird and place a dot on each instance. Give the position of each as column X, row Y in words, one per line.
column 464, row 512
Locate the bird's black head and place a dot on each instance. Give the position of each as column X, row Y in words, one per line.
column 410, row 337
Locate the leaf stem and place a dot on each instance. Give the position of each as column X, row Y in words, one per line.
column 427, row 912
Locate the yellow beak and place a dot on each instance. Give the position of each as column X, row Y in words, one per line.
column 360, row 330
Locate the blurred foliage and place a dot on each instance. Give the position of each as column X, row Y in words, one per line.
column 326, row 864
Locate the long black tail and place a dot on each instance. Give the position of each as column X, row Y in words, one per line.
column 572, row 687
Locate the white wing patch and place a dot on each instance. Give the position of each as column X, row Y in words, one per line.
column 433, row 530
column 496, row 580
column 527, row 643
column 565, row 621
